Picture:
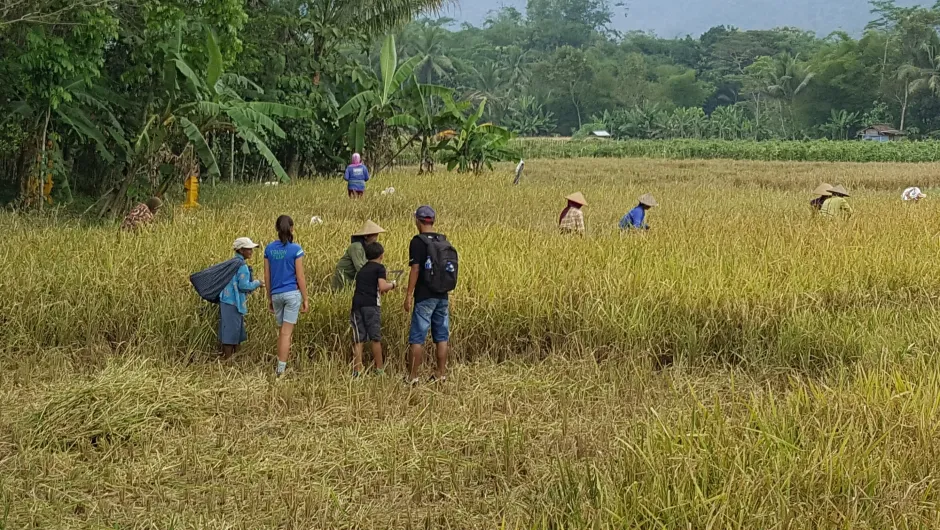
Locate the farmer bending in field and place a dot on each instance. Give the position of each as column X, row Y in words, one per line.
column 913, row 195
column 571, row 220
column 355, row 257
column 636, row 218
column 823, row 192
column 836, row 206
column 142, row 214
column 357, row 174
column 232, row 301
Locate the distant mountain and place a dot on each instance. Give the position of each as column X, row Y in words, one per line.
column 672, row 18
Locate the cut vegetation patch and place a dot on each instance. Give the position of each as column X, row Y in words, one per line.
column 123, row 403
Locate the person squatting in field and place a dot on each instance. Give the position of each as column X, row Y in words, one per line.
column 913, row 194
column 822, row 192
column 366, row 315
column 571, row 220
column 429, row 306
column 837, row 206
column 636, row 218
column 287, row 286
column 141, row 215
column 355, row 257
column 233, row 300
column 357, row 174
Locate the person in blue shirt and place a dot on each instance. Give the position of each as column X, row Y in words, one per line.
column 636, row 218
column 357, row 174
column 232, row 301
column 287, row 286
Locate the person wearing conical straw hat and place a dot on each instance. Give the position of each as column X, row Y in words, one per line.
column 571, row 220
column 636, row 218
column 822, row 192
column 355, row 256
column 837, row 207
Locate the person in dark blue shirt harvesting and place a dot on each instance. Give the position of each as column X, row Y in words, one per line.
column 636, row 218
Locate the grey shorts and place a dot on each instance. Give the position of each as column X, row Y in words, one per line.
column 366, row 324
column 287, row 307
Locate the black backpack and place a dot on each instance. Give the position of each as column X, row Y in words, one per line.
column 439, row 271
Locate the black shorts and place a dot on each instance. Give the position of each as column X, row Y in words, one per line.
column 366, row 324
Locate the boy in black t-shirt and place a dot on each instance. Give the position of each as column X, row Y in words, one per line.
column 366, row 316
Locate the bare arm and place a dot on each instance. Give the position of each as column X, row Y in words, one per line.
column 267, row 277
column 302, row 282
column 267, row 283
column 412, row 283
column 385, row 286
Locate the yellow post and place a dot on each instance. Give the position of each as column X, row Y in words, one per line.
column 47, row 189
column 192, row 192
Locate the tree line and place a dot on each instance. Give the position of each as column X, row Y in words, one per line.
column 114, row 100
column 559, row 69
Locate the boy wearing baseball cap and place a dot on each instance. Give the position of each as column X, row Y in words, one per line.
column 232, row 301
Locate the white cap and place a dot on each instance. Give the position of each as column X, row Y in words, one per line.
column 244, row 242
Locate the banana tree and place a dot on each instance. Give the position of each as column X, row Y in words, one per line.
column 192, row 107
column 373, row 108
column 475, row 145
column 428, row 110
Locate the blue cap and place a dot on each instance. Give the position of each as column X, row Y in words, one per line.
column 425, row 213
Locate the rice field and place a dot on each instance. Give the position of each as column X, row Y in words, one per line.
column 742, row 365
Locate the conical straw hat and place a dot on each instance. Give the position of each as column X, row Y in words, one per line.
column 647, row 200
column 578, row 198
column 823, row 189
column 369, row 229
column 840, row 190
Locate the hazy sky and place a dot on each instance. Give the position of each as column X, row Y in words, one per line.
column 671, row 18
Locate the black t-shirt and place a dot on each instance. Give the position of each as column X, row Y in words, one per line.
column 418, row 255
column 367, row 285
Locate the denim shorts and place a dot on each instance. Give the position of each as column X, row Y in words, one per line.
column 287, row 307
column 433, row 314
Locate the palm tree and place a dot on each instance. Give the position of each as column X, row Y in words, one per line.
column 374, row 108
column 788, row 79
column 329, row 20
column 839, row 123
column 515, row 63
column 490, row 83
column 917, row 78
column 434, row 64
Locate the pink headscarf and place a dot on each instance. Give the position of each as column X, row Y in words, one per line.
column 356, row 159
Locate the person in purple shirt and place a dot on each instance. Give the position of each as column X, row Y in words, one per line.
column 357, row 174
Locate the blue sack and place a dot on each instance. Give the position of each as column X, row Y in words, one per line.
column 210, row 283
